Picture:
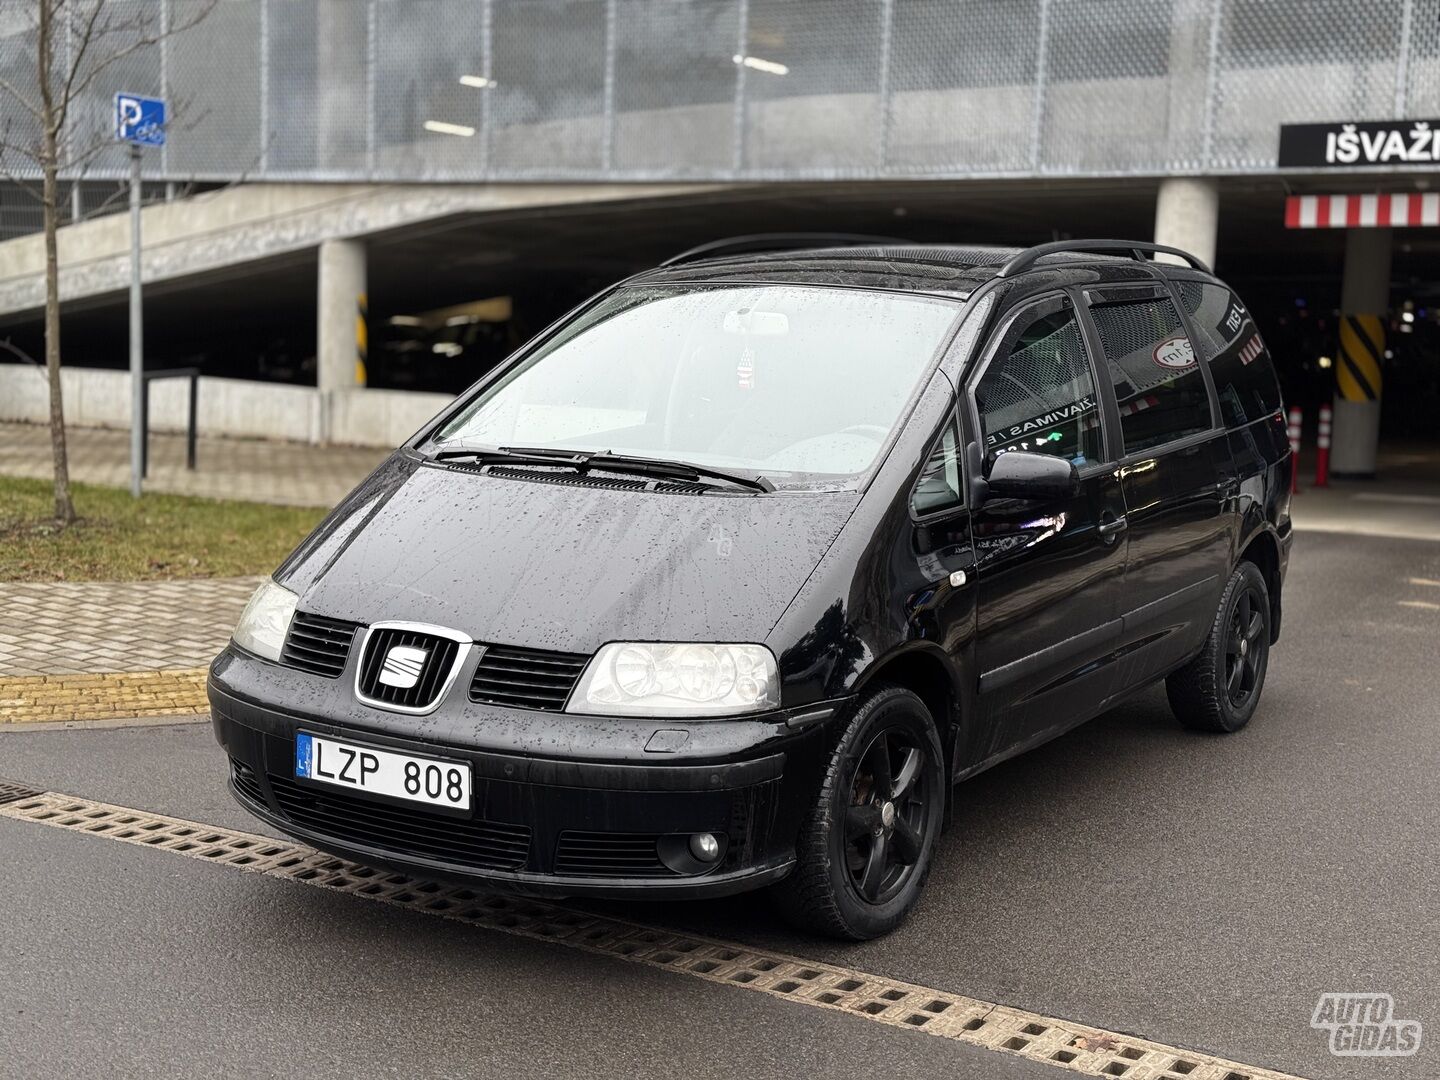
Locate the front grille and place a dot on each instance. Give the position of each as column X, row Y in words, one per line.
column 246, row 782
column 526, row 678
column 318, row 645
column 487, row 845
column 602, row 854
column 430, row 675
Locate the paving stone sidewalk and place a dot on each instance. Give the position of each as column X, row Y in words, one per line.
column 97, row 650
column 80, row 628
column 252, row 470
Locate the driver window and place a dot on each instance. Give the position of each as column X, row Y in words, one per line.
column 1038, row 393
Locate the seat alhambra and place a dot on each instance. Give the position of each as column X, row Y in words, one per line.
column 727, row 579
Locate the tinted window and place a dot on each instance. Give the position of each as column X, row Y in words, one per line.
column 1158, row 382
column 939, row 485
column 1038, row 393
column 1239, row 362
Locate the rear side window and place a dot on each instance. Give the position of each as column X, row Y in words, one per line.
column 1038, row 393
column 1239, row 362
column 1158, row 382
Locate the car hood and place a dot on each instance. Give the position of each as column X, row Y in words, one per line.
column 564, row 566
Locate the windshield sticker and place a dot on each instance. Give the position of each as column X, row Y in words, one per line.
column 1175, row 353
column 1045, row 420
column 745, row 370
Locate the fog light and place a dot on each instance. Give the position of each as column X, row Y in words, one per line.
column 705, row 847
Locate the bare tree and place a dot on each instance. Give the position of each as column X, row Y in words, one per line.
column 76, row 43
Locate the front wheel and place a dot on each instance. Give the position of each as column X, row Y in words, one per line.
column 864, row 849
column 1219, row 689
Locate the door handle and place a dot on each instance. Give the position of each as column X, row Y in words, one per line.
column 1113, row 527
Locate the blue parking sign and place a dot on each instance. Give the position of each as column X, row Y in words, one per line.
column 140, row 120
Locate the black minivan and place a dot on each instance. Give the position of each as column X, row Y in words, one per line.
column 728, row 577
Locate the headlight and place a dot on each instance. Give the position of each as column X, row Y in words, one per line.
column 640, row 679
column 266, row 620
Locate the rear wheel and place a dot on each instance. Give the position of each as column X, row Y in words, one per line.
column 1220, row 688
column 864, row 850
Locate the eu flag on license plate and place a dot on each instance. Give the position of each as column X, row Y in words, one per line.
column 303, row 754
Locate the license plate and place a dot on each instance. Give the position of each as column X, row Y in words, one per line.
column 382, row 772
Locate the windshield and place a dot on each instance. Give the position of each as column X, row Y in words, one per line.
column 801, row 385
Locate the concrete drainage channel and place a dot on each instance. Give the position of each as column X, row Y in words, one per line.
column 1061, row 1043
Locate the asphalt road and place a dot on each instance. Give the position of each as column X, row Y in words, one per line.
column 1201, row 891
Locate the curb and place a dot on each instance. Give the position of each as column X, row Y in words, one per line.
column 104, row 696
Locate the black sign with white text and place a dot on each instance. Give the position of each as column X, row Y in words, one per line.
column 1355, row 143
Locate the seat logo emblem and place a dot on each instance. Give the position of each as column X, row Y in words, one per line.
column 402, row 666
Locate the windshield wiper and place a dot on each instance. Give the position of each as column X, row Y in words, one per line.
column 489, row 456
column 583, row 461
column 606, row 459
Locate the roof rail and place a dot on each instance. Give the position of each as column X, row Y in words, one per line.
column 1137, row 249
column 739, row 245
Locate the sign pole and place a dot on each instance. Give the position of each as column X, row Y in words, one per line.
column 137, row 348
column 139, row 121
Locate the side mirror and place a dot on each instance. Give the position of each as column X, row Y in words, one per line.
column 1020, row 474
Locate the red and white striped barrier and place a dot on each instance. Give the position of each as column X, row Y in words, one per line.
column 1139, row 404
column 1362, row 211
column 1296, row 418
column 1322, row 449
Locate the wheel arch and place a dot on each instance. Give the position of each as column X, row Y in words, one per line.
column 927, row 671
column 1263, row 549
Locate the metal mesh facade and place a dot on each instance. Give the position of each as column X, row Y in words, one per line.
column 466, row 90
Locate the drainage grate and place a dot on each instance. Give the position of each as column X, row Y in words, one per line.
column 10, row 791
column 953, row 1016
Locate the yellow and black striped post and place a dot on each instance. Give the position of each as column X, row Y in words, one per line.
column 1362, row 345
column 1360, row 359
column 1357, row 395
column 362, row 338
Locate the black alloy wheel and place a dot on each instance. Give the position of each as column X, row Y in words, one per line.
column 885, row 820
column 865, row 847
column 1246, row 647
column 1220, row 688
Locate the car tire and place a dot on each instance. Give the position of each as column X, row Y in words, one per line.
column 865, row 847
column 1220, row 688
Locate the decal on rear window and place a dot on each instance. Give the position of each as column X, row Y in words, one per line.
column 1175, row 353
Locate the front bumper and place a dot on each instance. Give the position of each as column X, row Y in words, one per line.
column 559, row 824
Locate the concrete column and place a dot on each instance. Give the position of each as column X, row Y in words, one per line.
column 1187, row 215
column 340, row 321
column 1364, row 308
